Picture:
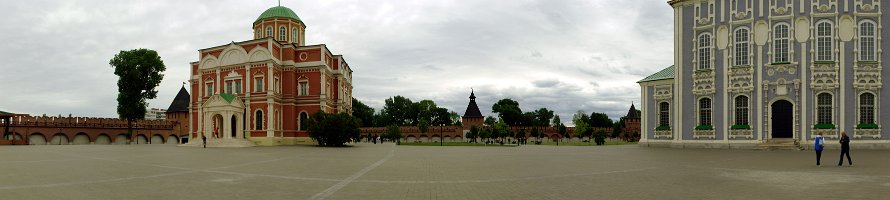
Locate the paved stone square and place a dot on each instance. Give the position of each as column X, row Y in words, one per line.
column 386, row 171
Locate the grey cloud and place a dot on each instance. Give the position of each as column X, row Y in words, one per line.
column 419, row 49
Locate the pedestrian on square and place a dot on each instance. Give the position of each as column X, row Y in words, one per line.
column 819, row 142
column 845, row 149
column 204, row 139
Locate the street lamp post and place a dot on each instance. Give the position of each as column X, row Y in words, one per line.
column 441, row 141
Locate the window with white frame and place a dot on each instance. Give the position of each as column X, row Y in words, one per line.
column 208, row 89
column 233, row 86
column 664, row 114
column 268, row 31
column 741, row 46
column 282, row 34
column 294, row 35
column 277, row 86
column 304, row 88
column 704, row 51
column 867, row 41
column 867, row 108
column 258, row 34
column 824, row 41
column 823, row 109
column 258, row 84
column 741, row 110
column 704, row 111
column 781, row 37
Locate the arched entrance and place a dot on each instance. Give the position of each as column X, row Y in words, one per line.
column 217, row 126
column 782, row 121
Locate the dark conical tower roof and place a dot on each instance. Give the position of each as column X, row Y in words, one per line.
column 632, row 113
column 181, row 102
column 472, row 108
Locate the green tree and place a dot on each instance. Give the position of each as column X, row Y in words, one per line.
column 474, row 132
column 599, row 120
column 394, row 133
column 363, row 112
column 561, row 129
column 486, row 133
column 455, row 118
column 543, row 116
column 581, row 126
column 556, row 121
column 424, row 110
column 490, row 121
column 501, row 130
column 508, row 110
column 537, row 134
column 441, row 117
column 423, row 126
column 400, row 111
column 617, row 128
column 333, row 130
column 600, row 137
column 139, row 72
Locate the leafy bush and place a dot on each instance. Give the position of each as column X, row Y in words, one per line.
column 394, row 133
column 740, row 127
column 867, row 126
column 824, row 126
column 600, row 137
column 333, row 130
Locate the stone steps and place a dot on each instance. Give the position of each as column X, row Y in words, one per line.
column 779, row 144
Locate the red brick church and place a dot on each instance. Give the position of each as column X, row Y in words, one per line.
column 257, row 92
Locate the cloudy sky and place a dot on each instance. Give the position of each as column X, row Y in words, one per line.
column 565, row 55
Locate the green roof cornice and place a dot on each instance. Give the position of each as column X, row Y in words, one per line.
column 278, row 12
column 666, row 73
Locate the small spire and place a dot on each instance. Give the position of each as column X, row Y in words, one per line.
column 279, row 2
column 472, row 94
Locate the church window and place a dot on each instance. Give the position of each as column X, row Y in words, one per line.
column 741, row 110
column 268, row 31
column 704, row 111
column 277, row 86
column 258, row 118
column 824, row 41
column 741, row 46
column 780, row 43
column 282, row 34
column 867, row 41
column 867, row 108
column 824, row 108
column 258, row 84
column 664, row 114
column 304, row 88
column 233, row 86
column 208, row 89
column 237, row 86
column 704, row 51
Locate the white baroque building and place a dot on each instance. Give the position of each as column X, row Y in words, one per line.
column 752, row 72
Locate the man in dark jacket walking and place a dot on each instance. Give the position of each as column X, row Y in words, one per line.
column 845, row 149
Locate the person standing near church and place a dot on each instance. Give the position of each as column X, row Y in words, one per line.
column 819, row 142
column 845, row 149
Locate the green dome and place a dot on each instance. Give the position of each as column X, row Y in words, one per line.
column 278, row 12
